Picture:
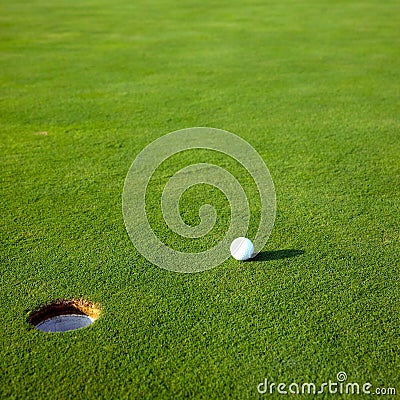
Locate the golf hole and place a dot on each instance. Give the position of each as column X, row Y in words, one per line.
column 65, row 315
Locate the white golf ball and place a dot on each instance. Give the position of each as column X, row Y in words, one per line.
column 242, row 249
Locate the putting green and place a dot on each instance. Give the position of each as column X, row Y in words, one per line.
column 313, row 86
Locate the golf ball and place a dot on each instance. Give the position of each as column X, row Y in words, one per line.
column 242, row 249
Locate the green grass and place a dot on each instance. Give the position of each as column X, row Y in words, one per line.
column 313, row 86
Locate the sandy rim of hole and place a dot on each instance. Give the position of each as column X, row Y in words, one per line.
column 65, row 307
